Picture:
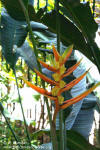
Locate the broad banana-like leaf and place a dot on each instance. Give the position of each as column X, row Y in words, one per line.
column 81, row 14
column 14, row 9
column 36, row 26
column 75, row 141
column 26, row 53
column 70, row 33
column 12, row 33
column 46, row 36
column 40, row 13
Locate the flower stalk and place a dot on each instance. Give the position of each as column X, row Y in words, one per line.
column 59, row 86
column 52, row 128
column 58, row 67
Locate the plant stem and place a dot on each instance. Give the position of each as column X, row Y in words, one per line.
column 53, row 136
column 52, row 129
column 52, row 124
column 61, row 131
column 65, row 137
column 30, row 31
column 61, row 125
column 27, row 133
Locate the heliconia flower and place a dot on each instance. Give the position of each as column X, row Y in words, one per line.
column 59, row 86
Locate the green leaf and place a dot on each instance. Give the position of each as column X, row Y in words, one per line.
column 37, row 97
column 36, row 26
column 69, row 33
column 40, row 12
column 46, row 35
column 28, row 55
column 82, row 16
column 31, row 13
column 11, row 33
column 65, row 12
column 66, row 51
column 38, row 133
column 75, row 141
column 14, row 33
column 14, row 8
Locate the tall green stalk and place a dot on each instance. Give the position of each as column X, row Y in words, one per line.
column 65, row 136
column 27, row 133
column 30, row 31
column 52, row 127
column 61, row 123
column 52, row 124
column 61, row 131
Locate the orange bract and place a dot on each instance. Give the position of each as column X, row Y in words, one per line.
column 52, row 82
column 71, row 69
column 60, row 86
column 76, row 99
column 72, row 83
column 47, row 66
column 56, row 54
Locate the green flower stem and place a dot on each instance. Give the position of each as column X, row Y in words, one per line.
column 30, row 31
column 27, row 133
column 53, row 136
column 13, row 133
column 52, row 124
column 65, row 136
column 61, row 131
column 61, row 125
column 52, row 129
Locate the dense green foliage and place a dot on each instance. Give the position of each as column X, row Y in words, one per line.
column 77, row 26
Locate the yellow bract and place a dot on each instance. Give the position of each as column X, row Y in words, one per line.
column 60, row 99
column 61, row 59
column 60, row 72
column 56, row 76
column 62, row 69
column 56, row 64
column 62, row 84
column 55, row 91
